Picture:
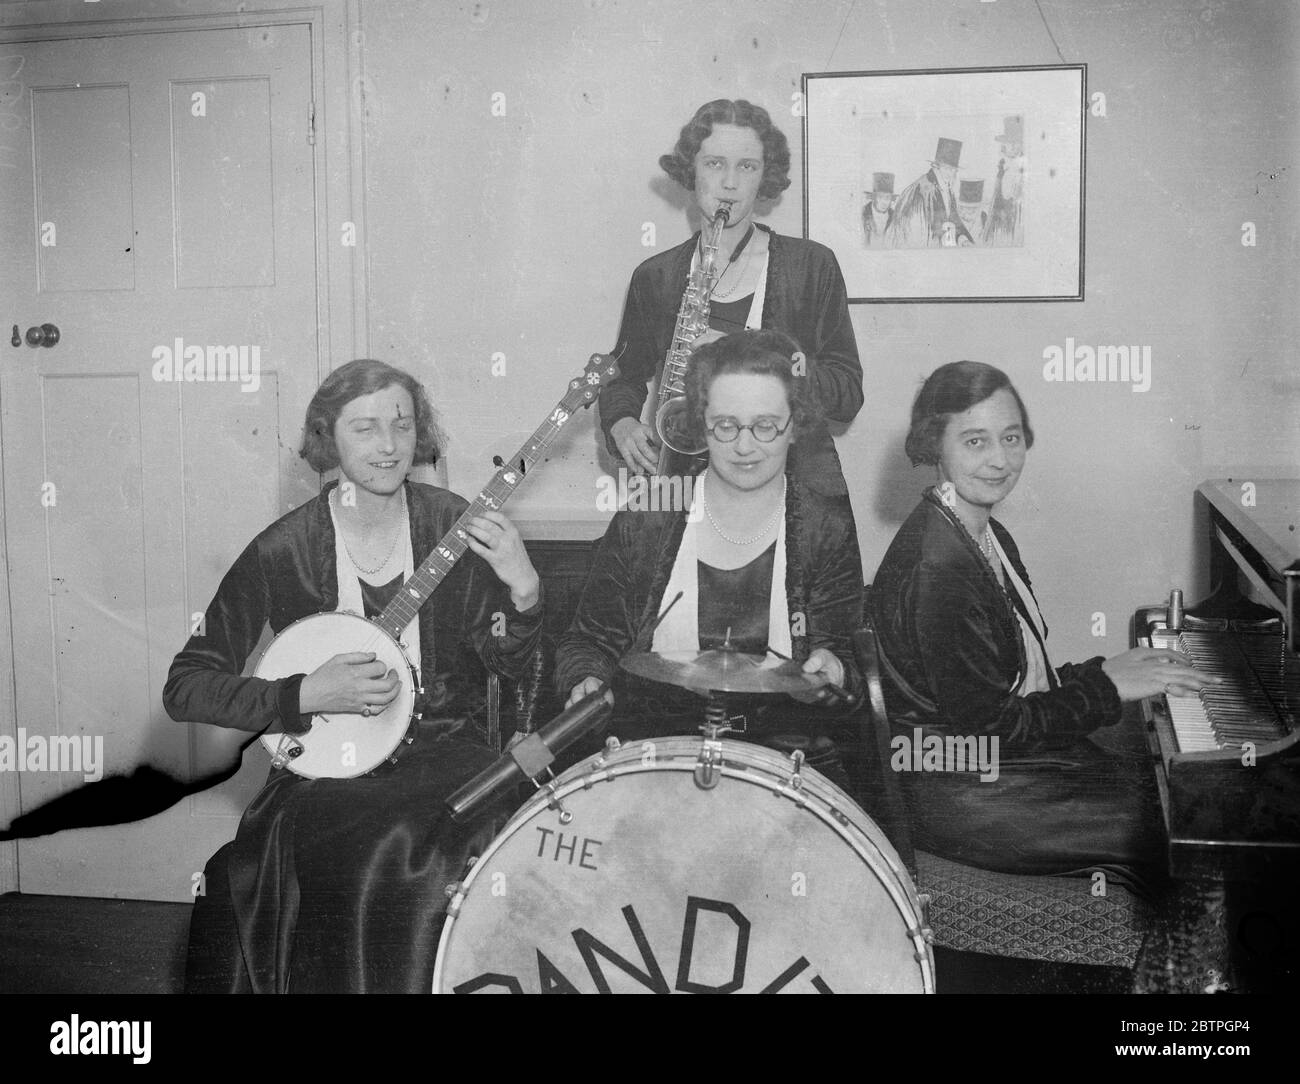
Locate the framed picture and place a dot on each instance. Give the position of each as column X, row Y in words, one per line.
column 955, row 185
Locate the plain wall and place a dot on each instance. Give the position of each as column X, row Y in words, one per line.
column 517, row 234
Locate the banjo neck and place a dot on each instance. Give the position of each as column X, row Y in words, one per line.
column 500, row 488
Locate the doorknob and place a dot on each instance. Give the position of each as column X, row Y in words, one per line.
column 45, row 335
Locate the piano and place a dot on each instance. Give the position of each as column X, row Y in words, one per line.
column 1227, row 761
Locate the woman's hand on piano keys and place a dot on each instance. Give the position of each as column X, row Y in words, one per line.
column 1147, row 671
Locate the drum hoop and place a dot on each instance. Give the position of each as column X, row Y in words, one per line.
column 913, row 915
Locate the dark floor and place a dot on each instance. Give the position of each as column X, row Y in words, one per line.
column 71, row 945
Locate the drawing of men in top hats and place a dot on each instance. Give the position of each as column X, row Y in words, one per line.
column 879, row 211
column 970, row 206
column 926, row 213
column 1006, row 213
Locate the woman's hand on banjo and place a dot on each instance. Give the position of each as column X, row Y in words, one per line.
column 494, row 538
column 353, row 682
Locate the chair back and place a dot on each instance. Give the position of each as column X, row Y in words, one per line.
column 876, row 735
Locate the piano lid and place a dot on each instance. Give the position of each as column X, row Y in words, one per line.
column 1268, row 530
column 1272, row 526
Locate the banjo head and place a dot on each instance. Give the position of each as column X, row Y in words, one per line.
column 339, row 745
column 650, row 881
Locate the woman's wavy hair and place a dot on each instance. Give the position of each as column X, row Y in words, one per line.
column 680, row 164
column 953, row 389
column 763, row 353
column 351, row 381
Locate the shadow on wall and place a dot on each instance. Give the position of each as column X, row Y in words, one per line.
column 900, row 484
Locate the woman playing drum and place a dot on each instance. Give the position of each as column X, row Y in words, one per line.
column 760, row 561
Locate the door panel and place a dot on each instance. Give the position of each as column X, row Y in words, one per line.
column 144, row 450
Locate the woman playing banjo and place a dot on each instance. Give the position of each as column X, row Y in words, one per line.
column 330, row 883
column 761, row 562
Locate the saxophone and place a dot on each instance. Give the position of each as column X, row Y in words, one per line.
column 692, row 321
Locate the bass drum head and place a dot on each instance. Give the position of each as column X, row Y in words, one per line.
column 656, row 884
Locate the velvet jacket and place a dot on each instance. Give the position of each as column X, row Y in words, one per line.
column 805, row 297
column 634, row 561
column 951, row 647
column 952, row 656
column 288, row 572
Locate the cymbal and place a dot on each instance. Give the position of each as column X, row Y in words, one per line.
column 721, row 670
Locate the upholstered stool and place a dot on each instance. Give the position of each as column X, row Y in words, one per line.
column 1035, row 918
column 1050, row 919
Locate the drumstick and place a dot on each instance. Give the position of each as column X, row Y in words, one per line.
column 836, row 690
column 650, row 631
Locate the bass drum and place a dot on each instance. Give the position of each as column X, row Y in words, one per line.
column 692, row 866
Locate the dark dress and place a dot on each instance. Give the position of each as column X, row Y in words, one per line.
column 952, row 652
column 338, row 884
column 625, row 589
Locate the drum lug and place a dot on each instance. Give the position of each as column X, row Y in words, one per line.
column 796, row 780
column 710, row 760
column 552, row 802
column 924, row 899
column 455, row 898
column 612, row 745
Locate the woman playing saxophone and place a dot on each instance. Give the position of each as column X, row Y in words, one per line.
column 730, row 156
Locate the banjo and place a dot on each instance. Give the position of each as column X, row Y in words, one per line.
column 342, row 745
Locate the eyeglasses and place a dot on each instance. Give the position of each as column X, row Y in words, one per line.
column 727, row 430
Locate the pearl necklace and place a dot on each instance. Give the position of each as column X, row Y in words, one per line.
column 948, row 496
column 776, row 515
column 740, row 277
column 985, row 543
column 391, row 549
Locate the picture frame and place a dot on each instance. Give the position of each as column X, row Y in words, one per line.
column 949, row 185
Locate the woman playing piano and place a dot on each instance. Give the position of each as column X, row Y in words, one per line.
column 334, row 885
column 760, row 560
column 731, row 155
column 964, row 654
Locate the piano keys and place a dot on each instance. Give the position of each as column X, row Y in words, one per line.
column 1227, row 760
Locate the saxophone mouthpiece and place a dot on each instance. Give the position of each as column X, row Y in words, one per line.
column 723, row 212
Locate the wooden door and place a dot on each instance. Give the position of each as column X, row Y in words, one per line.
column 161, row 211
